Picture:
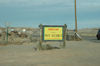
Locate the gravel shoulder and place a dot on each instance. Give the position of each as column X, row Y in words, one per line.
column 76, row 53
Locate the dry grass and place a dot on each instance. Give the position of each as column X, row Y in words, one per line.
column 35, row 31
column 47, row 47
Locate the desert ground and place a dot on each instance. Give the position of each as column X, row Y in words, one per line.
column 33, row 34
column 21, row 51
column 76, row 53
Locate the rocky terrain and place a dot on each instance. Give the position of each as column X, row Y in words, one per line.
column 35, row 31
column 18, row 36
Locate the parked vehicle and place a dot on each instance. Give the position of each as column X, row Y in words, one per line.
column 98, row 35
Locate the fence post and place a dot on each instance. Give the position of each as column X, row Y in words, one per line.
column 74, row 36
column 67, row 35
column 7, row 35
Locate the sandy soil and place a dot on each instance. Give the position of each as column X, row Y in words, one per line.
column 76, row 53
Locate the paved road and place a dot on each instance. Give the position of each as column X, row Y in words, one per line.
column 87, row 38
column 91, row 38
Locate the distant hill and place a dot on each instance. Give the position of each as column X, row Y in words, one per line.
column 88, row 31
column 36, row 31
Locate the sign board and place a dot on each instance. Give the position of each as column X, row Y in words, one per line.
column 53, row 33
column 8, row 24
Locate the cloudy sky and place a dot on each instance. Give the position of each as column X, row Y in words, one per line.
column 31, row 13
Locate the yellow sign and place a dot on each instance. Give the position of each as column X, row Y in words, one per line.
column 53, row 33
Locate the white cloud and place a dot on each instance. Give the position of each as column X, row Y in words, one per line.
column 50, row 2
column 53, row 4
column 35, row 2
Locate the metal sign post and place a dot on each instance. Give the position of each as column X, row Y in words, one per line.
column 7, row 24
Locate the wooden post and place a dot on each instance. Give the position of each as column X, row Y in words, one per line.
column 39, row 44
column 75, row 17
column 40, row 37
column 64, row 41
column 74, row 36
column 7, row 35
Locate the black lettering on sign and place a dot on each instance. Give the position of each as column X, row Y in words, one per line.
column 56, row 35
column 47, row 35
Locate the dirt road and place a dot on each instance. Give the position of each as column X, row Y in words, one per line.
column 76, row 53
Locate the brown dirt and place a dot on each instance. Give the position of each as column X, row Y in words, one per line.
column 76, row 53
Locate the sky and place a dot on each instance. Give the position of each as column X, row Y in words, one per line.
column 32, row 13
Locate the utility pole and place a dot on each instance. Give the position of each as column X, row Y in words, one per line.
column 75, row 17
